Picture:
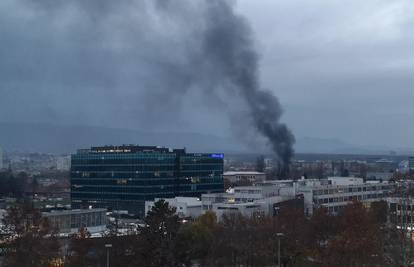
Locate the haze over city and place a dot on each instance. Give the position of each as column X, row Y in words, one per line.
column 341, row 70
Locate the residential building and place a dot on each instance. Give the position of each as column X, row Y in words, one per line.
column 185, row 207
column 70, row 221
column 124, row 177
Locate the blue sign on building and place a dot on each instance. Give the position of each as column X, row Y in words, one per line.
column 218, row 156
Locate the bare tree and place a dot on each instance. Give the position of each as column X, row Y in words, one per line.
column 31, row 239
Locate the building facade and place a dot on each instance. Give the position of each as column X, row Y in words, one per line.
column 185, row 207
column 401, row 211
column 70, row 221
column 124, row 177
column 411, row 163
column 261, row 199
column 63, row 163
column 270, row 197
column 241, row 176
column 335, row 193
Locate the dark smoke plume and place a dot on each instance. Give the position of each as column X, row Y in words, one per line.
column 229, row 47
column 135, row 62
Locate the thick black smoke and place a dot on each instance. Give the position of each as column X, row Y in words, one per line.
column 134, row 62
column 229, row 47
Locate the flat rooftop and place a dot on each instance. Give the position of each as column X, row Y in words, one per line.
column 243, row 173
column 70, row 212
column 190, row 201
column 130, row 149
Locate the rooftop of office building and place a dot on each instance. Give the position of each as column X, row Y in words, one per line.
column 244, row 173
column 130, row 149
column 72, row 211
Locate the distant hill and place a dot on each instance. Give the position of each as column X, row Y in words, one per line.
column 320, row 145
column 335, row 146
column 27, row 137
column 48, row 138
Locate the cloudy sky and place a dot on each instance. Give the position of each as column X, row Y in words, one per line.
column 341, row 69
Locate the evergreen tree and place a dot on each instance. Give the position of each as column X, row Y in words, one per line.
column 157, row 239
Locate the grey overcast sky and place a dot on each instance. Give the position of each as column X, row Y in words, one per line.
column 341, row 69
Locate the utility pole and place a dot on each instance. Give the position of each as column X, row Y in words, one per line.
column 279, row 236
column 278, row 253
column 107, row 246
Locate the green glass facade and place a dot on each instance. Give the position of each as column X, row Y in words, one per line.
column 124, row 177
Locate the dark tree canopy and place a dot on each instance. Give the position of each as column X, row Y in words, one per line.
column 30, row 237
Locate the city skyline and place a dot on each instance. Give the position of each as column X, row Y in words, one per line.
column 206, row 133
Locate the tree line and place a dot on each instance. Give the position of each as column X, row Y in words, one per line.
column 356, row 237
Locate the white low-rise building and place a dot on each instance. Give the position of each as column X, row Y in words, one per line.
column 249, row 200
column 250, row 176
column 245, row 209
column 335, row 193
column 186, row 207
column 70, row 221
column 241, row 194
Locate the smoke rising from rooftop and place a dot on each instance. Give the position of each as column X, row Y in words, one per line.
column 105, row 62
column 228, row 45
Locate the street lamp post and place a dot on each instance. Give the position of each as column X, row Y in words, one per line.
column 107, row 246
column 279, row 236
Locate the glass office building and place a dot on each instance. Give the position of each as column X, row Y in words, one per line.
column 124, row 177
